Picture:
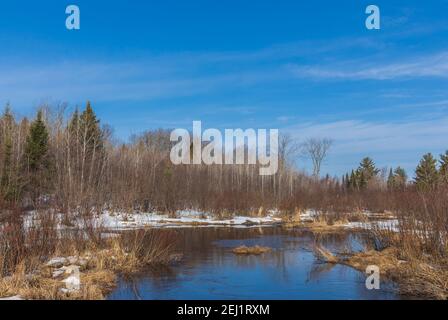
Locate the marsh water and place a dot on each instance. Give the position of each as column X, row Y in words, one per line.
column 210, row 270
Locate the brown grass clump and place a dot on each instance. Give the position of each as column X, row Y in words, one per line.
column 324, row 223
column 425, row 280
column 251, row 250
column 414, row 278
column 386, row 260
column 32, row 278
column 94, row 285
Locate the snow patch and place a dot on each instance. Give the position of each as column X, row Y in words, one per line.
column 114, row 220
column 391, row 225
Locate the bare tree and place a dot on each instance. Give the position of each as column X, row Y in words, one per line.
column 288, row 149
column 316, row 149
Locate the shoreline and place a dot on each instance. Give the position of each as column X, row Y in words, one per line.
column 113, row 261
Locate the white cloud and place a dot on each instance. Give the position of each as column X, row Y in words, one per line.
column 391, row 143
column 435, row 65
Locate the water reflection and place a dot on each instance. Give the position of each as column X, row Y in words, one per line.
column 210, row 270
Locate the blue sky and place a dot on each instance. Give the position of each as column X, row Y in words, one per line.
column 309, row 68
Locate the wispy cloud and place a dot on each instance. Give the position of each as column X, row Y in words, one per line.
column 132, row 81
column 435, row 65
column 389, row 143
column 359, row 135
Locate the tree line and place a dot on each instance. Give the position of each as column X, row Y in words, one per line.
column 73, row 163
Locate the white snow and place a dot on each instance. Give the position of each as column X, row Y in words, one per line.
column 182, row 218
column 391, row 225
column 309, row 215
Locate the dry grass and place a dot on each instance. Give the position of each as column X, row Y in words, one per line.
column 425, row 280
column 415, row 278
column 95, row 284
column 25, row 273
column 251, row 250
column 386, row 260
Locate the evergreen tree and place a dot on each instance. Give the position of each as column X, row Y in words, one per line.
column 73, row 125
column 92, row 151
column 353, row 181
column 36, row 162
column 36, row 146
column 397, row 178
column 400, row 177
column 443, row 171
column 7, row 172
column 426, row 173
column 7, row 120
column 362, row 177
column 391, row 180
column 347, row 181
column 91, row 133
column 10, row 171
column 368, row 168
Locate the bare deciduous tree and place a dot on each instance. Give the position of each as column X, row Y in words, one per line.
column 288, row 149
column 316, row 149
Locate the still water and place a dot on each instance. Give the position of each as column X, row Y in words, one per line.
column 209, row 269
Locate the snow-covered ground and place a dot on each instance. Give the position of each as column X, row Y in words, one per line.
column 183, row 218
column 187, row 218
column 391, row 225
column 113, row 220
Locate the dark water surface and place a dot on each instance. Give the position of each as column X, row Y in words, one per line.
column 209, row 269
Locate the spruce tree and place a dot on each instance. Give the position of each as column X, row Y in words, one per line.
column 91, row 133
column 353, row 181
column 368, row 168
column 426, row 174
column 6, row 181
column 36, row 162
column 400, row 177
column 91, row 148
column 36, row 146
column 8, row 120
column 6, row 170
column 347, row 181
column 443, row 171
column 391, row 180
column 74, row 122
column 362, row 179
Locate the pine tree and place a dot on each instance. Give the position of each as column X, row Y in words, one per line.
column 426, row 173
column 353, row 181
column 6, row 181
column 397, row 178
column 367, row 166
column 7, row 119
column 390, row 180
column 347, row 181
column 74, row 122
column 362, row 179
column 443, row 171
column 89, row 128
column 91, row 148
column 36, row 162
column 400, row 177
column 6, row 170
column 36, row 146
